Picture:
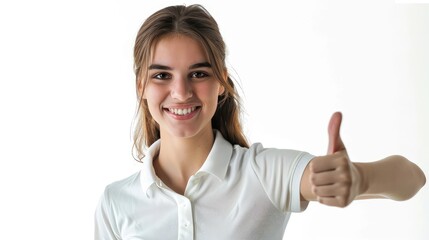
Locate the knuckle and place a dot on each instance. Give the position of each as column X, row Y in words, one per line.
column 312, row 183
column 345, row 177
column 346, row 191
column 342, row 202
column 314, row 190
column 313, row 178
column 343, row 160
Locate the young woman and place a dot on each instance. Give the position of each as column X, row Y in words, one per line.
column 200, row 178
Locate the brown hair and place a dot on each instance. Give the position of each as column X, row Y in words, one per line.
column 196, row 22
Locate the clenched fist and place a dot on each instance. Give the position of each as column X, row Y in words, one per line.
column 334, row 179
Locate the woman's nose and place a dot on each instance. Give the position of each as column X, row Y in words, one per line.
column 181, row 89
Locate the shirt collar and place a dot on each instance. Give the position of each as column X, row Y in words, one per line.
column 147, row 174
column 217, row 161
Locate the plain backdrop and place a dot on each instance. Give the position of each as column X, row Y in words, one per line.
column 67, row 102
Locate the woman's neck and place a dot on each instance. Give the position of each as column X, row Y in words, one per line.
column 180, row 158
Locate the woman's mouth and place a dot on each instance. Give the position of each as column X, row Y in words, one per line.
column 182, row 111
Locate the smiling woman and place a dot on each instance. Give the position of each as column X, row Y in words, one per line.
column 181, row 91
column 200, row 179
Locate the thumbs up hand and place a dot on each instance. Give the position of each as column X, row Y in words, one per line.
column 334, row 179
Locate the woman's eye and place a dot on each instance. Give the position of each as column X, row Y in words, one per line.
column 198, row 75
column 162, row 76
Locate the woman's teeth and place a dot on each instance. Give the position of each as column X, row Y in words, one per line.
column 181, row 111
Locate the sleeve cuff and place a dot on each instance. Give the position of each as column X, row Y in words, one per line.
column 297, row 205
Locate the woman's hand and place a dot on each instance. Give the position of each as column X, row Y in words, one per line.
column 334, row 179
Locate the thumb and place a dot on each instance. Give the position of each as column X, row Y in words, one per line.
column 335, row 142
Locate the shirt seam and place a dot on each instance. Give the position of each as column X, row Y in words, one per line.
column 265, row 191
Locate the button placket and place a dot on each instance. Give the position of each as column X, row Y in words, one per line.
column 185, row 220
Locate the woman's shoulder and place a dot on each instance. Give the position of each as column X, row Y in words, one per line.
column 262, row 158
column 258, row 149
column 123, row 186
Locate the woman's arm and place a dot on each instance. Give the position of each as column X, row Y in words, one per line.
column 335, row 181
column 393, row 177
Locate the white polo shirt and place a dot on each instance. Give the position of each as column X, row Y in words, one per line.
column 239, row 193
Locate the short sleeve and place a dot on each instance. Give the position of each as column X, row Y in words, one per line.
column 280, row 171
column 104, row 221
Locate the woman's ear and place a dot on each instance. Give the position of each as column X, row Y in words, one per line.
column 221, row 90
column 225, row 79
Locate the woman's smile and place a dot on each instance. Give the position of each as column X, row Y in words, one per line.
column 182, row 113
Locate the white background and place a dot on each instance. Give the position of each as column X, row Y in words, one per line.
column 67, row 101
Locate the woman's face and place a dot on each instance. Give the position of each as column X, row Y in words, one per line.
column 181, row 89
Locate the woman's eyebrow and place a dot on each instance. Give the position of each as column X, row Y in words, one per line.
column 159, row 66
column 202, row 64
column 193, row 66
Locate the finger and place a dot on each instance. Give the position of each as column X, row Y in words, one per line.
column 324, row 178
column 323, row 164
column 335, row 142
column 327, row 191
column 333, row 190
column 333, row 201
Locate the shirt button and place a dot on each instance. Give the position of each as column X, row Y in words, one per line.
column 186, row 225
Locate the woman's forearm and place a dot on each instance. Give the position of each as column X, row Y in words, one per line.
column 393, row 177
